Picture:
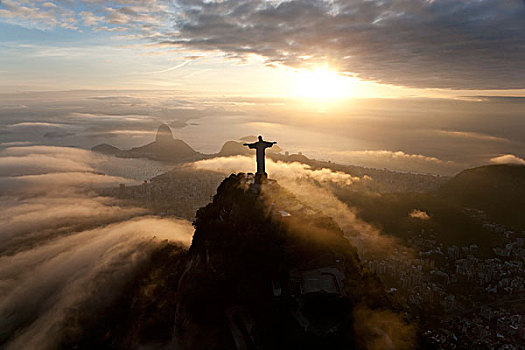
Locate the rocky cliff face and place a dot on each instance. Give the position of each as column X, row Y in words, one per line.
column 264, row 271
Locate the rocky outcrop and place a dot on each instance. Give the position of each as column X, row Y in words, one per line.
column 264, row 271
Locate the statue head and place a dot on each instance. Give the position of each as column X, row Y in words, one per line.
column 260, row 138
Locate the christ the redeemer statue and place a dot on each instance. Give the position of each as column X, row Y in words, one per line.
column 260, row 146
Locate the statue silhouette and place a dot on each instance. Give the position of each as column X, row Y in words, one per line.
column 260, row 147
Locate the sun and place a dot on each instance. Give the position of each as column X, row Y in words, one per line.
column 322, row 83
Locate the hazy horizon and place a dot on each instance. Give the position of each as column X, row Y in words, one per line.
column 370, row 132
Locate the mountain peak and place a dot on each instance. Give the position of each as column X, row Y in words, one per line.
column 272, row 272
column 164, row 134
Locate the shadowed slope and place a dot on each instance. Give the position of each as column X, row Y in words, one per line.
column 497, row 189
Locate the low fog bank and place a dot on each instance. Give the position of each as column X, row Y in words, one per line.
column 64, row 250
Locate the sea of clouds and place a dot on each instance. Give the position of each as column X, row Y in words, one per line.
column 62, row 245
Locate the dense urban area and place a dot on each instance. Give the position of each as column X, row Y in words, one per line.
column 464, row 300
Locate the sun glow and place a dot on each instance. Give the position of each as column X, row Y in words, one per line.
column 323, row 83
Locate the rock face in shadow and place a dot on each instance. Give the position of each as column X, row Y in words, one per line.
column 266, row 272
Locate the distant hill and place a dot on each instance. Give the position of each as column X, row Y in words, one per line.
column 164, row 148
column 167, row 148
column 233, row 148
column 447, row 221
column 173, row 150
column 104, row 148
column 499, row 190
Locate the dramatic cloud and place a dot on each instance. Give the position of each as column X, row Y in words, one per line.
column 396, row 155
column 366, row 238
column 87, row 118
column 42, row 286
column 473, row 136
column 417, row 135
column 508, row 159
column 60, row 166
column 383, row 329
column 39, row 15
column 64, row 250
column 38, row 164
column 466, row 44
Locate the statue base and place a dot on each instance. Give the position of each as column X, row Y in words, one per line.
column 261, row 178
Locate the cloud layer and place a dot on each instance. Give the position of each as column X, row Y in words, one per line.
column 508, row 159
column 466, row 44
column 112, row 16
column 63, row 247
